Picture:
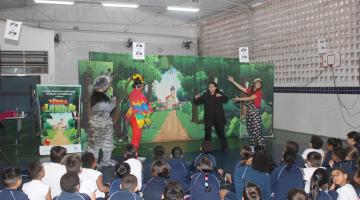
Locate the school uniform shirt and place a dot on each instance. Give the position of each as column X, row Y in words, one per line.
column 53, row 174
column 124, row 195
column 198, row 158
column 247, row 174
column 115, row 186
column 283, row 179
column 93, row 176
column 154, row 188
column 307, row 151
column 327, row 195
column 357, row 146
column 87, row 186
column 136, row 169
column 308, row 172
column 197, row 187
column 328, row 157
column 72, row 196
column 347, row 192
column 346, row 167
column 352, row 164
column 10, row 194
column 180, row 173
column 299, row 162
column 357, row 189
column 36, row 190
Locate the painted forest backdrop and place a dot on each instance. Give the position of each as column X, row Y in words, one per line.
column 171, row 84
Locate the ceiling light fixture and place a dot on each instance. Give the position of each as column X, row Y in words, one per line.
column 70, row 3
column 183, row 9
column 120, row 5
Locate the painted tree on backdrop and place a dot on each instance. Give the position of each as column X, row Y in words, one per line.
column 87, row 77
column 187, row 67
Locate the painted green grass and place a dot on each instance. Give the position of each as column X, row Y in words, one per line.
column 195, row 131
column 157, row 118
column 71, row 135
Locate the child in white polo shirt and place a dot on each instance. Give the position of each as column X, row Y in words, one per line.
column 35, row 189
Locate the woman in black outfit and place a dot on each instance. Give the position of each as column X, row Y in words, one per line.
column 214, row 116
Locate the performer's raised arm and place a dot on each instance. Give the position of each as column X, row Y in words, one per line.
column 240, row 87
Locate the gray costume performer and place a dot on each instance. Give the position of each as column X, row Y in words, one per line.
column 100, row 124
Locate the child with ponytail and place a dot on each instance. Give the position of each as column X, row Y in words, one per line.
column 204, row 184
column 258, row 173
column 246, row 156
column 121, row 170
column 319, row 186
column 286, row 177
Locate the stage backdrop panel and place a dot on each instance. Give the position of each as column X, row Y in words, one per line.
column 171, row 84
column 59, row 107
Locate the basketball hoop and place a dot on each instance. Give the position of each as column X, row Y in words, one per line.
column 332, row 59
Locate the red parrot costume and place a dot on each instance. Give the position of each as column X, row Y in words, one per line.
column 139, row 110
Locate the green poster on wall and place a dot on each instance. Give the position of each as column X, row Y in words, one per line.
column 59, row 107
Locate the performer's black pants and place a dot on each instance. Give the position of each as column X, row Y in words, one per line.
column 220, row 132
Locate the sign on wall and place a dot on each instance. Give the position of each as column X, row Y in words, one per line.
column 59, row 111
column 322, row 46
column 244, row 54
column 12, row 29
column 138, row 50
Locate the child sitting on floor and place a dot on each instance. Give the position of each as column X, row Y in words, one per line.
column 129, row 187
column 12, row 181
column 35, row 189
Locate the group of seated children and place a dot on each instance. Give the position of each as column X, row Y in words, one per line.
column 315, row 174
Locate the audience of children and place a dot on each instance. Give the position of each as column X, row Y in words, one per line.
column 35, row 189
column 254, row 177
column 129, row 187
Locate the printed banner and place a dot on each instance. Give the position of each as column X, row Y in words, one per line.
column 59, row 111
